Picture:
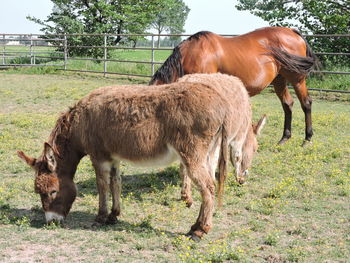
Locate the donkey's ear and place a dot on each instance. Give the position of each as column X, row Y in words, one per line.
column 49, row 154
column 29, row 160
column 258, row 127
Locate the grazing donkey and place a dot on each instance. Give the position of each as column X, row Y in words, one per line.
column 240, row 162
column 147, row 126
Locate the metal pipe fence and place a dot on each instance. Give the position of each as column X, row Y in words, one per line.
column 26, row 50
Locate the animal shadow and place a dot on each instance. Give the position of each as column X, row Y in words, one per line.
column 137, row 184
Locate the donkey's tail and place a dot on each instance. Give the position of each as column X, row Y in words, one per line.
column 222, row 163
column 298, row 64
column 170, row 70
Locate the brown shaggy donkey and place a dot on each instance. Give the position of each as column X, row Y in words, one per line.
column 190, row 121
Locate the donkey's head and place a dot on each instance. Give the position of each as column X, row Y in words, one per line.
column 57, row 193
column 250, row 147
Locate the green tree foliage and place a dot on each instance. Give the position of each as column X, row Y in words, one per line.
column 97, row 17
column 171, row 17
column 310, row 16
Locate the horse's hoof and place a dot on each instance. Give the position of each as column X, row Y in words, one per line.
column 306, row 143
column 283, row 141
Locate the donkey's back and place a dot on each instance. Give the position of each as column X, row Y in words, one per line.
column 138, row 123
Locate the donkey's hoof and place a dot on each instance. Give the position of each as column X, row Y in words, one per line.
column 306, row 143
column 241, row 180
column 195, row 238
column 195, row 235
column 188, row 201
column 101, row 219
column 111, row 220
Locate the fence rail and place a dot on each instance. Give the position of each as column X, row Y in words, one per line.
column 26, row 50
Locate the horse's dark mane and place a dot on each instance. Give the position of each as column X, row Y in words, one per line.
column 198, row 35
column 173, row 65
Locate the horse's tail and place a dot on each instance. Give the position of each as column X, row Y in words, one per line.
column 299, row 64
column 172, row 68
column 222, row 163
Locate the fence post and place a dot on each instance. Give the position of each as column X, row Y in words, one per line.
column 3, row 49
column 105, row 55
column 152, row 56
column 65, row 51
column 31, row 49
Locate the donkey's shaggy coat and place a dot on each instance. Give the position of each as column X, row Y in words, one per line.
column 192, row 120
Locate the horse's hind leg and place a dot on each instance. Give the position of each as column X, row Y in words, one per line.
column 306, row 103
column 280, row 85
column 115, row 187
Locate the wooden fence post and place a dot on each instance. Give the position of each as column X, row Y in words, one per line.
column 65, row 51
column 105, row 55
column 3, row 49
column 31, row 50
column 152, row 57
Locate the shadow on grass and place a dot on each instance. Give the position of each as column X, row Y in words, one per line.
column 137, row 184
column 76, row 220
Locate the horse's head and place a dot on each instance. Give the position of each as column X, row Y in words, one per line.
column 250, row 147
column 57, row 193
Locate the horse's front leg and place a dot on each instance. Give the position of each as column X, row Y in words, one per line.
column 186, row 191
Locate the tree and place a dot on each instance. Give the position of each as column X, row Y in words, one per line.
column 310, row 16
column 171, row 17
column 97, row 17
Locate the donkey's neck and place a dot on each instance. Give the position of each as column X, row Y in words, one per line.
column 62, row 141
column 68, row 163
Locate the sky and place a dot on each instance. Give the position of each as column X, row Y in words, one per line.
column 219, row 16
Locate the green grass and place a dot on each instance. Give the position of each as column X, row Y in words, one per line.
column 294, row 207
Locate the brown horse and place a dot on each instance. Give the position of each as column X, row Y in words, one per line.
column 189, row 121
column 274, row 55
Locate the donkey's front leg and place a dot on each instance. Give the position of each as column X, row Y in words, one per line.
column 205, row 183
column 102, row 170
column 236, row 159
column 115, row 188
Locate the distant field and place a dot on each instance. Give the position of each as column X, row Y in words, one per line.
column 326, row 81
column 294, row 208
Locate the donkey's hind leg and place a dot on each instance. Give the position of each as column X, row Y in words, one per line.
column 200, row 175
column 186, row 189
column 280, row 85
column 115, row 187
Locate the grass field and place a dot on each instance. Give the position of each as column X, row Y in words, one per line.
column 294, row 208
